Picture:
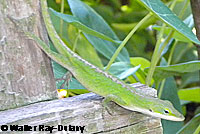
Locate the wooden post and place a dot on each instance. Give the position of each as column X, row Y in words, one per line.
column 25, row 71
column 85, row 110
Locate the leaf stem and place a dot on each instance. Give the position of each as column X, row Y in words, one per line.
column 155, row 56
column 61, row 21
column 76, row 40
column 197, row 130
column 126, row 40
column 157, row 52
column 172, row 50
column 168, row 63
column 181, row 13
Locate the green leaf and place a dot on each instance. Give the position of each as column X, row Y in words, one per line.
column 190, row 94
column 188, row 21
column 83, row 48
column 74, row 84
column 184, row 53
column 170, row 93
column 144, row 63
column 189, row 78
column 191, row 126
column 140, row 74
column 76, row 23
column 123, row 69
column 165, row 14
column 176, row 35
column 162, row 72
column 190, row 66
column 60, row 73
column 91, row 19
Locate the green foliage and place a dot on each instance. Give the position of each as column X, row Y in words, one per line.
column 190, row 94
column 192, row 127
column 76, row 23
column 162, row 72
column 94, row 29
column 180, row 37
column 123, row 69
column 165, row 14
column 90, row 18
column 140, row 75
column 170, row 93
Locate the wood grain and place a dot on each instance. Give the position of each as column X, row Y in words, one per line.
column 85, row 110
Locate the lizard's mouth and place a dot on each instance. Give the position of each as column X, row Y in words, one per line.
column 157, row 115
column 171, row 118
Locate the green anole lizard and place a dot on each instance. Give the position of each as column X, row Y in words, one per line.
column 101, row 82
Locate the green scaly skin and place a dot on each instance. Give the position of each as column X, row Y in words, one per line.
column 101, row 82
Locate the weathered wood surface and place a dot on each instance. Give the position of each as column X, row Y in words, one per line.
column 25, row 71
column 85, row 110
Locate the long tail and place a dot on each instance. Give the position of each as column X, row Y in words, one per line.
column 58, row 43
column 60, row 59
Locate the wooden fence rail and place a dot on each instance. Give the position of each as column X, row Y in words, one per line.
column 82, row 111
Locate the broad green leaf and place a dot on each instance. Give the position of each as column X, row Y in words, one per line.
column 74, row 84
column 69, row 33
column 140, row 74
column 91, row 19
column 58, row 70
column 60, row 76
column 76, row 88
column 165, row 14
column 162, row 72
column 188, row 21
column 176, row 35
column 184, row 53
column 170, row 93
column 123, row 69
column 76, row 23
column 190, row 66
column 105, row 11
column 83, row 47
column 189, row 78
column 191, row 126
column 144, row 63
column 190, row 94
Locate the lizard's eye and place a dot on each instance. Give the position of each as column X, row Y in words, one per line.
column 166, row 111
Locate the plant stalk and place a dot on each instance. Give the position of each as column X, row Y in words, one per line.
column 61, row 21
column 126, row 40
column 157, row 52
column 173, row 48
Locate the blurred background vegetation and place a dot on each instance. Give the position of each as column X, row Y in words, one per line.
column 123, row 16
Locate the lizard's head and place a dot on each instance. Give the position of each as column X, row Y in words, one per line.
column 157, row 108
column 165, row 110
